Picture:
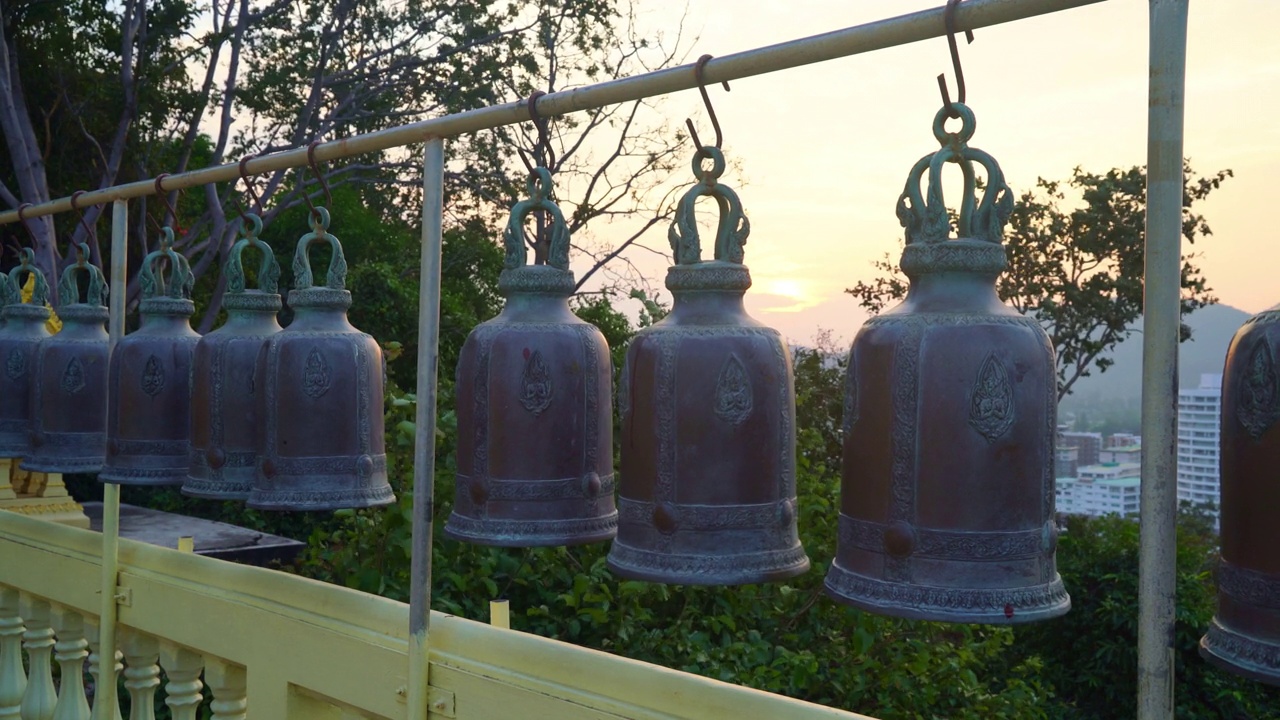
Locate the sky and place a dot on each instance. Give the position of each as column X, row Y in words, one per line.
column 823, row 150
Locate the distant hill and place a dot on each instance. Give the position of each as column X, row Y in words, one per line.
column 1211, row 331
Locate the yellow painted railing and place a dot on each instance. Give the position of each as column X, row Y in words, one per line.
column 289, row 648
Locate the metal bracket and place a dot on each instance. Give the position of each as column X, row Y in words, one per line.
column 440, row 702
column 124, row 596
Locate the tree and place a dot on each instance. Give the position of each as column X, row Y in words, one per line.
column 146, row 86
column 1089, row 655
column 1078, row 269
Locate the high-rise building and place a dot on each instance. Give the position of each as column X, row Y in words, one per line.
column 1111, row 489
column 1198, row 432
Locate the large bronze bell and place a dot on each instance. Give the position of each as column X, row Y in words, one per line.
column 322, row 398
column 535, row 427
column 149, row 410
column 69, row 390
column 947, row 502
column 708, row 494
column 23, row 332
column 224, row 404
column 1244, row 637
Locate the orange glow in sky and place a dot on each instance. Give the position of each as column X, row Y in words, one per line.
column 824, row 149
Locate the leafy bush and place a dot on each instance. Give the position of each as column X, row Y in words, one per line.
column 1090, row 655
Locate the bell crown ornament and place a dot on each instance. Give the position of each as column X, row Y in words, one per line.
column 149, row 399
column 535, row 440
column 69, row 389
column 268, row 277
column 69, row 289
column 225, row 420
column 13, row 288
column 707, row 398
column 947, row 501
column 321, row 407
column 732, row 228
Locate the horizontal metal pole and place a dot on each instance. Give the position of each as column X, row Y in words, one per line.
column 878, row 35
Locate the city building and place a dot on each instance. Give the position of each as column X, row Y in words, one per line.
column 1123, row 440
column 1089, row 443
column 1065, row 461
column 1120, row 454
column 1110, row 489
column 1198, row 433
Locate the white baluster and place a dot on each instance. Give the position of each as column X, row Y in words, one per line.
column 182, row 668
column 227, row 683
column 13, row 678
column 39, row 699
column 70, row 652
column 92, row 633
column 141, row 674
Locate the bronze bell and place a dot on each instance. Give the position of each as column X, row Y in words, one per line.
column 1244, row 637
column 224, row 404
column 23, row 332
column 535, row 423
column 321, row 421
column 69, row 389
column 708, row 493
column 149, row 410
column 947, row 500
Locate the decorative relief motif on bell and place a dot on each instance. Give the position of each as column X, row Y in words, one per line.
column 69, row 388
column 320, row 412
column 947, row 502
column 149, row 400
column 535, row 427
column 1244, row 637
column 225, row 421
column 22, row 334
column 707, row 494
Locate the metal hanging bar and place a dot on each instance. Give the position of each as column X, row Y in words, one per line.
column 424, row 450
column 901, row 30
column 1161, row 317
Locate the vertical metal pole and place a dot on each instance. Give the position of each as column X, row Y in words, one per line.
column 424, row 451
column 106, row 690
column 1157, row 556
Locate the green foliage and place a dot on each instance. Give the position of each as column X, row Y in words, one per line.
column 786, row 638
column 1089, row 655
column 1079, row 269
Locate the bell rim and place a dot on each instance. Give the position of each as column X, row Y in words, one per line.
column 322, row 298
column 32, row 463
column 253, row 301
column 215, row 489
column 709, row 276
column 1059, row 601
column 536, row 280
column 786, row 563
column 1212, row 654
column 379, row 495
column 959, row 255
column 25, row 311
column 106, row 477
column 167, row 306
column 594, row 530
